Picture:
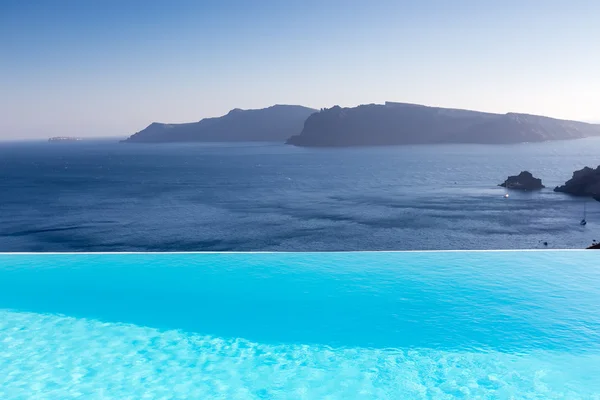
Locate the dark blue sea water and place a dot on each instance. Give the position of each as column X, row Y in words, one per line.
column 104, row 196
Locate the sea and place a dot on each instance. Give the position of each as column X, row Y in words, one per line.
column 105, row 196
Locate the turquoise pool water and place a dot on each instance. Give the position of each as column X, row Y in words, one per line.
column 408, row 325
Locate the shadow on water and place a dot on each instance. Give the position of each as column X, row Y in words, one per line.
column 503, row 301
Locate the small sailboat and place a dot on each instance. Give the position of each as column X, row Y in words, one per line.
column 583, row 222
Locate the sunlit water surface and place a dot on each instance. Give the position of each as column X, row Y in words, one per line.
column 100, row 196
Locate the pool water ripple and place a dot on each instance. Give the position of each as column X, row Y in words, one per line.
column 431, row 325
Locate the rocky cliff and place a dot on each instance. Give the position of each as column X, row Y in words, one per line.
column 399, row 123
column 585, row 182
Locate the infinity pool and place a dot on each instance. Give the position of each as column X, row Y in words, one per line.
column 406, row 325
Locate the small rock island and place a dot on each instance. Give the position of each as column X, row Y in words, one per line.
column 64, row 139
column 524, row 181
column 584, row 183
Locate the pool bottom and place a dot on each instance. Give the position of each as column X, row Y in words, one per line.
column 51, row 357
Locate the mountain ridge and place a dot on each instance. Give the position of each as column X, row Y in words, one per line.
column 406, row 123
column 274, row 123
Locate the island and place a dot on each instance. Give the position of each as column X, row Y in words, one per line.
column 584, row 183
column 276, row 123
column 64, row 139
column 524, row 181
column 402, row 123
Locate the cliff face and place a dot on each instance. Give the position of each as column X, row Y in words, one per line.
column 398, row 123
column 585, row 182
column 276, row 123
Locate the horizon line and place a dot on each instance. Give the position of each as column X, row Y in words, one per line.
column 593, row 121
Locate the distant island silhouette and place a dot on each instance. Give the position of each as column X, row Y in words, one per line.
column 402, row 123
column 64, row 139
column 272, row 124
column 367, row 125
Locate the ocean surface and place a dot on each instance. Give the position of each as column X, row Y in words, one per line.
column 400, row 325
column 104, row 196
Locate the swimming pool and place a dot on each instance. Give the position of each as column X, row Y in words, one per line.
column 381, row 325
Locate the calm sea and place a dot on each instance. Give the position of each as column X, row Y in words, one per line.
column 104, row 196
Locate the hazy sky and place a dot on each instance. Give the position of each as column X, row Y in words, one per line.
column 110, row 68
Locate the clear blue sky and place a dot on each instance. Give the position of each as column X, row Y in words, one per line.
column 107, row 67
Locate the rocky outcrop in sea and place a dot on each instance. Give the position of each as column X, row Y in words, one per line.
column 524, row 181
column 585, row 183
